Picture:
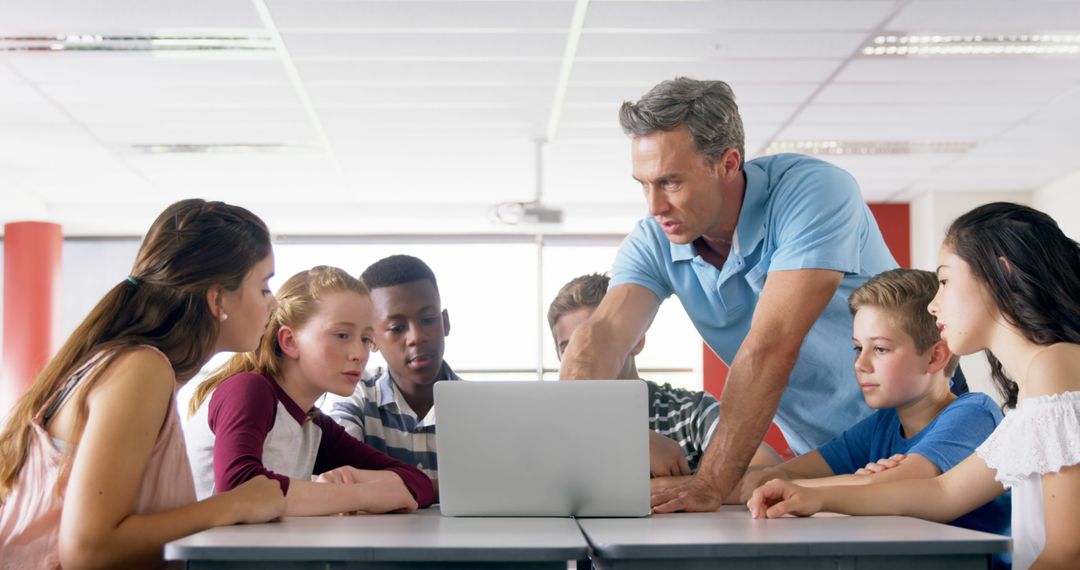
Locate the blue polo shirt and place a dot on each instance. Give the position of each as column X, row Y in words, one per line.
column 797, row 213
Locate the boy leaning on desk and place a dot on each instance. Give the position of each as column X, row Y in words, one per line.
column 681, row 422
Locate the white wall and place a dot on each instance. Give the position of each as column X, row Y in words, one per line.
column 1061, row 200
column 89, row 269
column 932, row 212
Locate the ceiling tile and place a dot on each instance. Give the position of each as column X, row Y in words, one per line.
column 135, row 69
column 362, row 72
column 734, row 72
column 914, row 114
column 433, row 46
column 291, row 15
column 932, row 72
column 951, row 93
column 122, row 16
column 721, row 44
column 745, row 92
column 739, row 15
column 987, row 17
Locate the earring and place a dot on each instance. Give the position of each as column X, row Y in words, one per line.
column 224, row 317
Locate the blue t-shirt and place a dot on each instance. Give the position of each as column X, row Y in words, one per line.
column 797, row 213
column 949, row 439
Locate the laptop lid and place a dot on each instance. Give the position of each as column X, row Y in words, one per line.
column 533, row 449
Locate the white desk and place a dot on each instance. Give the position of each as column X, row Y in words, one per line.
column 730, row 539
column 421, row 540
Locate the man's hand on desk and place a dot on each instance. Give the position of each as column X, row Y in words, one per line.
column 693, row 496
column 657, row 484
column 666, row 457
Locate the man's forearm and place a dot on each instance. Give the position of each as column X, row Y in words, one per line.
column 751, row 396
column 591, row 356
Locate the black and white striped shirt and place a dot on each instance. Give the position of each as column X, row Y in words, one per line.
column 686, row 416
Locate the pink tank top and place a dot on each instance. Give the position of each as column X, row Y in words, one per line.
column 30, row 516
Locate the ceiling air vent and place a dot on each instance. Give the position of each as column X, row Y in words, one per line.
column 222, row 148
column 171, row 42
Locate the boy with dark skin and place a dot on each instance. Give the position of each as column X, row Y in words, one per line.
column 411, row 328
column 392, row 408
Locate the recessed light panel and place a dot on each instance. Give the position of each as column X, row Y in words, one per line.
column 959, row 45
column 832, row 147
column 185, row 42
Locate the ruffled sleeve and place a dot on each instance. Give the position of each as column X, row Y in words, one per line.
column 1041, row 436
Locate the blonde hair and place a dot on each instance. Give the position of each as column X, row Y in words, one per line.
column 904, row 295
column 584, row 291
column 298, row 299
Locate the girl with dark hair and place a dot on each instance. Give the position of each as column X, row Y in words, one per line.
column 93, row 470
column 1009, row 281
column 256, row 415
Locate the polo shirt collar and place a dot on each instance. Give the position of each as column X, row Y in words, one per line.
column 682, row 251
column 386, row 384
column 751, row 225
column 386, row 388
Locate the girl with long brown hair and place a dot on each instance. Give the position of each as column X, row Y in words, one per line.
column 1008, row 281
column 93, row 470
column 257, row 416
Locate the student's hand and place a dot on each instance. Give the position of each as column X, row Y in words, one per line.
column 348, row 474
column 693, row 496
column 881, row 464
column 257, row 500
column 388, row 496
column 755, row 478
column 666, row 457
column 778, row 498
column 661, row 483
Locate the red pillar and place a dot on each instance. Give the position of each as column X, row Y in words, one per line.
column 894, row 221
column 715, row 374
column 31, row 304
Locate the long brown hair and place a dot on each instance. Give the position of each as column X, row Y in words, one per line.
column 191, row 246
column 297, row 300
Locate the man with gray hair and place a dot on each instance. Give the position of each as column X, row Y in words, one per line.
column 762, row 255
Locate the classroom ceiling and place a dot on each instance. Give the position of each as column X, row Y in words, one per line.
column 402, row 116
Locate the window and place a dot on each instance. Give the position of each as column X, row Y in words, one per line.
column 491, row 287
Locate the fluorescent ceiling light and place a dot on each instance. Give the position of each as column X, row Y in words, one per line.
column 952, row 45
column 157, row 42
column 832, row 147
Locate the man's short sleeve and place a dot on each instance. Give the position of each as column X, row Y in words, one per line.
column 958, row 430
column 820, row 218
column 640, row 261
column 850, row 450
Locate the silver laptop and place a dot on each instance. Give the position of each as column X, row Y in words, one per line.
column 543, row 449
